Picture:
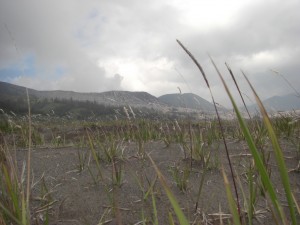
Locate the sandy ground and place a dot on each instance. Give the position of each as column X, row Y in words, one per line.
column 74, row 198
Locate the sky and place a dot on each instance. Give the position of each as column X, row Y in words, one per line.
column 101, row 45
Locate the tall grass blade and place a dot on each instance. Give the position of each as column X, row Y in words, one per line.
column 171, row 220
column 238, row 88
column 28, row 157
column 154, row 208
column 200, row 188
column 278, row 154
column 95, row 156
column 12, row 191
column 287, row 81
column 256, row 156
column 251, row 196
column 219, row 120
column 297, row 205
column 9, row 214
column 24, row 212
column 232, row 204
column 150, row 188
column 180, row 215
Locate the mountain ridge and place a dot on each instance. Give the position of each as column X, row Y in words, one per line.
column 277, row 103
column 142, row 99
column 186, row 102
column 114, row 98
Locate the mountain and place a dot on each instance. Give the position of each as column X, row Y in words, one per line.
column 187, row 100
column 114, row 98
column 280, row 103
column 9, row 91
column 13, row 98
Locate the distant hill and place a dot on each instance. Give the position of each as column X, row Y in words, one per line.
column 114, row 98
column 280, row 103
column 187, row 100
column 13, row 98
column 8, row 91
column 79, row 105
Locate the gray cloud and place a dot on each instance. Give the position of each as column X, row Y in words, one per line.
column 48, row 31
column 94, row 40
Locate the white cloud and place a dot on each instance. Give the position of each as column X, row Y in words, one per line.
column 95, row 40
column 140, row 74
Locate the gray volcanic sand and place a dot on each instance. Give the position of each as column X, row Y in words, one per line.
column 76, row 199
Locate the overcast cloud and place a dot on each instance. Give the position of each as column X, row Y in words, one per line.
column 94, row 46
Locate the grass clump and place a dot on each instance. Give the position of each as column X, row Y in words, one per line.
column 181, row 176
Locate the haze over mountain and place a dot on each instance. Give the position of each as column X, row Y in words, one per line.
column 113, row 98
column 187, row 100
column 10, row 92
column 13, row 96
column 280, row 103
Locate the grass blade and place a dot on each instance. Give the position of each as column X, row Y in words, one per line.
column 237, row 86
column 171, row 220
column 278, row 154
column 95, row 155
column 219, row 121
column 180, row 215
column 200, row 188
column 256, row 156
column 154, row 208
column 297, row 206
column 232, row 204
column 9, row 214
column 29, row 152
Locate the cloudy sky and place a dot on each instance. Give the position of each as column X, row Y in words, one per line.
column 101, row 45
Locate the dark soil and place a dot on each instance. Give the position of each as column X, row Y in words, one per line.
column 73, row 197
